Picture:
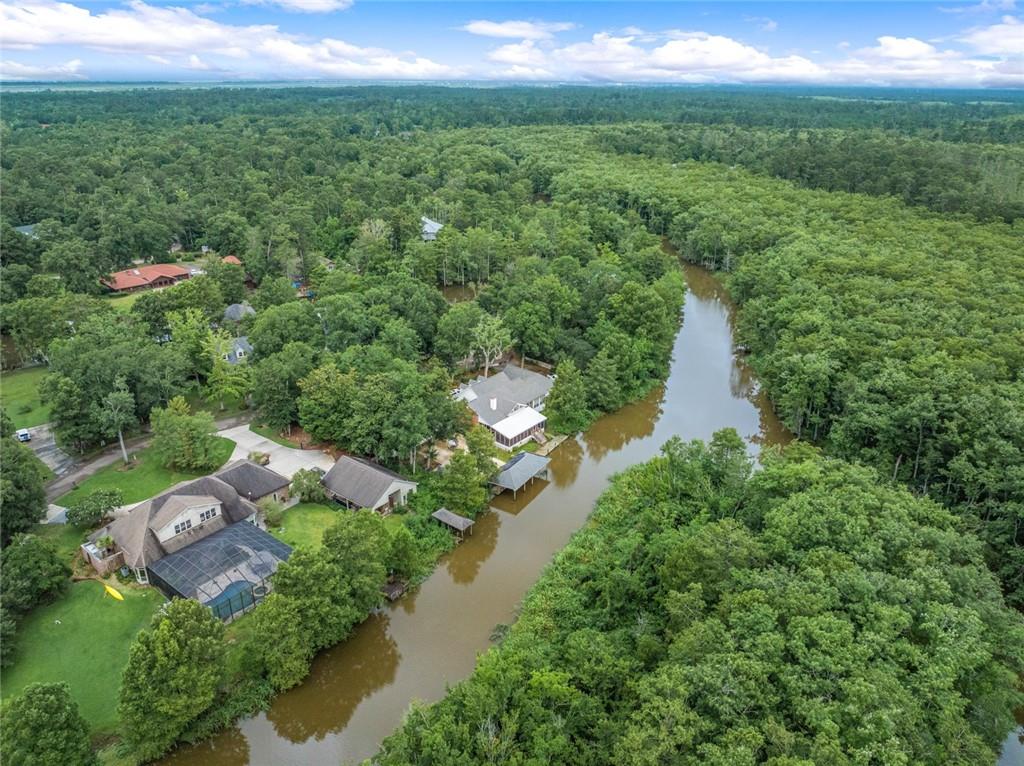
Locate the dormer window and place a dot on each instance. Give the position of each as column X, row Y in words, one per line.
column 179, row 528
column 207, row 514
column 240, row 353
column 226, row 357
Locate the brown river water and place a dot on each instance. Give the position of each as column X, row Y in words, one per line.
column 358, row 692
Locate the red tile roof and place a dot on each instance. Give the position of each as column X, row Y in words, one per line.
column 143, row 276
column 231, row 259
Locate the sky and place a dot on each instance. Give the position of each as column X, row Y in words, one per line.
column 959, row 44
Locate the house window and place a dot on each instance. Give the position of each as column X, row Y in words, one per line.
column 207, row 514
column 179, row 528
column 240, row 353
column 141, row 575
column 226, row 357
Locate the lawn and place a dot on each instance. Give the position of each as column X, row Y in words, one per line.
column 19, row 393
column 124, row 302
column 82, row 639
column 304, row 524
column 147, row 478
column 65, row 538
column 232, row 405
column 272, row 434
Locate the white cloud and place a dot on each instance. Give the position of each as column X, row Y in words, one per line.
column 523, row 30
column 985, row 6
column 12, row 70
column 1005, row 38
column 524, row 54
column 305, row 6
column 158, row 59
column 901, row 48
column 167, row 31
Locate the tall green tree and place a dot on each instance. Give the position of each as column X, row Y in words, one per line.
column 182, row 439
column 42, row 727
column 22, row 498
column 491, row 339
column 32, row 572
column 117, row 412
column 461, row 486
column 175, row 667
column 566, row 406
column 602, row 382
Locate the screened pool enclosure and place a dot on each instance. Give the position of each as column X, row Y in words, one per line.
column 229, row 571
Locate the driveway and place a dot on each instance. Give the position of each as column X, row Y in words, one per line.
column 46, row 449
column 287, row 461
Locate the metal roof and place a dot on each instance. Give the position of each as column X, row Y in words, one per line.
column 519, row 470
column 453, row 520
column 236, row 312
column 519, row 422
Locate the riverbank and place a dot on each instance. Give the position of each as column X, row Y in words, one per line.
column 358, row 691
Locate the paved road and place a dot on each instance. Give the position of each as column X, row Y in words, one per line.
column 46, row 449
column 79, row 473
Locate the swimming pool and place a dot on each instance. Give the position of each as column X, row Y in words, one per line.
column 235, row 598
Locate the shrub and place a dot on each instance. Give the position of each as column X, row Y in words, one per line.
column 95, row 507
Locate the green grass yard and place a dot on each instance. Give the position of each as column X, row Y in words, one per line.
column 304, row 524
column 270, row 433
column 124, row 302
column 147, row 478
column 83, row 639
column 19, row 393
column 65, row 538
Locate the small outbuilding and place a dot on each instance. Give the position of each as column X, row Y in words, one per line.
column 458, row 524
column 358, row 483
column 255, row 482
column 520, row 471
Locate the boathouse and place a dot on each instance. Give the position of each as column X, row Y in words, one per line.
column 520, row 471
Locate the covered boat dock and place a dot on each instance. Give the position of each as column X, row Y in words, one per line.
column 458, row 524
column 519, row 471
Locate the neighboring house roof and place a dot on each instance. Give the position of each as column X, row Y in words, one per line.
column 29, row 229
column 239, row 344
column 430, row 228
column 236, row 312
column 519, row 422
column 142, row 276
column 135, row 533
column 238, row 552
column 359, row 481
column 519, row 470
column 232, row 259
column 495, row 398
column 252, row 480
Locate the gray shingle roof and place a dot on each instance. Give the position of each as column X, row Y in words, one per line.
column 240, row 343
column 252, row 480
column 512, row 387
column 236, row 312
column 519, row 470
column 135, row 533
column 359, row 481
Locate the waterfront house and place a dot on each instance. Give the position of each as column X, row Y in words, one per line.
column 357, row 483
column 200, row 539
column 509, row 404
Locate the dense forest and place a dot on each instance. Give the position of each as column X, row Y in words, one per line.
column 708, row 615
column 874, row 246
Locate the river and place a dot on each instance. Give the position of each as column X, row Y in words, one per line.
column 358, row 692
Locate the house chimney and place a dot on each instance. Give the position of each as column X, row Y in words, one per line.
column 494, row 402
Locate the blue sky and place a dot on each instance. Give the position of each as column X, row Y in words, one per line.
column 834, row 43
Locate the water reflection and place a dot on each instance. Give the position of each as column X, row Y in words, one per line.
column 465, row 568
column 359, row 691
column 506, row 502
